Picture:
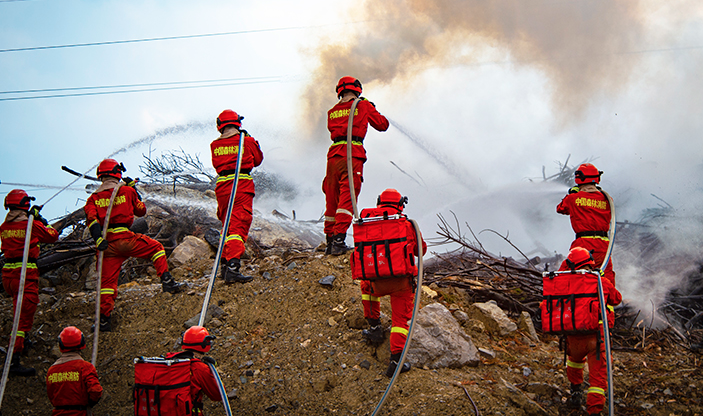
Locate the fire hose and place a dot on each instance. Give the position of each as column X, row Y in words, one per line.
column 601, row 298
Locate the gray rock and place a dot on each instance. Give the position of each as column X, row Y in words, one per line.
column 213, row 311
column 191, row 248
column 493, row 317
column 487, row 353
column 327, row 280
column 365, row 364
column 439, row 341
column 527, row 326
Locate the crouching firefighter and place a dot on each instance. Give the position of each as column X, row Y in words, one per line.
column 384, row 260
column 71, row 382
column 571, row 308
column 12, row 237
column 175, row 383
column 225, row 154
column 121, row 243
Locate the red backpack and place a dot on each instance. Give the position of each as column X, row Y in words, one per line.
column 571, row 303
column 162, row 387
column 381, row 246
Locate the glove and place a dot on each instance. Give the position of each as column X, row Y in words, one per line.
column 208, row 360
column 130, row 182
column 37, row 217
column 573, row 190
column 366, row 99
column 96, row 231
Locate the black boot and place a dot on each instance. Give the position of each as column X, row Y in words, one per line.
column 330, row 239
column 374, row 335
column 169, row 284
column 16, row 369
column 394, row 364
column 338, row 245
column 223, row 264
column 576, row 399
column 232, row 274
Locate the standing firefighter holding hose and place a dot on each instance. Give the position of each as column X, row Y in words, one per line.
column 589, row 209
column 225, row 153
column 121, row 243
column 338, row 203
column 12, row 235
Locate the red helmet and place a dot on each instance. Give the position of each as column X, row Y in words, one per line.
column 348, row 84
column 579, row 257
column 110, row 167
column 393, row 198
column 71, row 339
column 228, row 118
column 197, row 338
column 18, row 199
column 587, row 173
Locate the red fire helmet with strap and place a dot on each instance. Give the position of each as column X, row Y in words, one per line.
column 71, row 339
column 228, row 118
column 197, row 338
column 587, row 173
column 348, row 84
column 110, row 167
column 578, row 258
column 393, row 198
column 18, row 199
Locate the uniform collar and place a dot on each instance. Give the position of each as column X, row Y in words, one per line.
column 109, row 183
column 16, row 215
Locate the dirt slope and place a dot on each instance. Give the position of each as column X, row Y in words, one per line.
column 285, row 346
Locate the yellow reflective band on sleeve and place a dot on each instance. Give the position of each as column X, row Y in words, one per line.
column 94, row 222
column 370, row 298
column 610, row 308
column 20, row 334
column 597, row 237
column 12, row 266
column 330, row 219
column 158, row 254
column 596, row 390
column 345, row 142
column 399, row 330
column 344, row 211
column 234, row 237
column 231, row 177
column 117, row 230
column 107, row 291
column 572, row 364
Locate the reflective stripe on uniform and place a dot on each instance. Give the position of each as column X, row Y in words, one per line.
column 234, row 237
column 399, row 330
column 343, row 211
column 596, row 236
column 231, row 177
column 572, row 364
column 370, row 298
column 107, row 291
column 158, row 254
column 10, row 266
column 117, row 230
column 330, row 219
column 94, row 222
column 20, row 334
column 345, row 142
column 596, row 390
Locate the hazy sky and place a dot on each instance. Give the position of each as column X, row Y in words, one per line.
column 489, row 91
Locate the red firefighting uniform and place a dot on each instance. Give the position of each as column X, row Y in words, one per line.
column 590, row 214
column 71, row 384
column 587, row 348
column 225, row 150
column 202, row 381
column 400, row 289
column 338, row 204
column 12, row 235
column 123, row 243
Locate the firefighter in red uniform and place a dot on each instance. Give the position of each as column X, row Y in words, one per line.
column 588, row 348
column 71, row 382
column 12, row 235
column 400, row 289
column 589, row 211
column 196, row 342
column 121, row 243
column 338, row 203
column 225, row 151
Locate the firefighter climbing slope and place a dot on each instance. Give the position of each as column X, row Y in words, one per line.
column 571, row 308
column 589, row 211
column 338, row 203
column 384, row 260
column 12, row 235
column 71, row 382
column 225, row 151
column 175, row 383
column 121, row 243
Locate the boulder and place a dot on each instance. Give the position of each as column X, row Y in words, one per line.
column 191, row 247
column 493, row 318
column 527, row 326
column 439, row 341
